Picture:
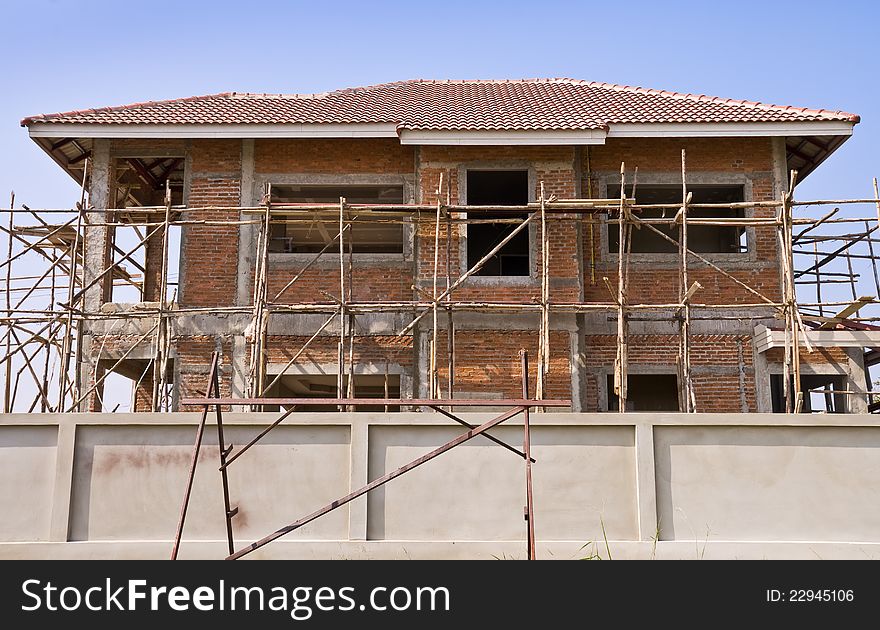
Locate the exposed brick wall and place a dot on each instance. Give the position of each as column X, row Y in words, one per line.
column 664, row 154
column 818, row 355
column 193, row 356
column 360, row 155
column 368, row 282
column 459, row 153
column 147, row 145
column 488, row 361
column 210, row 252
column 324, row 349
column 715, row 365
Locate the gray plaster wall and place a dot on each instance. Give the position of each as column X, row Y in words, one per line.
column 661, row 485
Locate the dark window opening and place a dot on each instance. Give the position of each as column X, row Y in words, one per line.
column 310, row 232
column 498, row 188
column 823, row 401
column 324, row 386
column 703, row 239
column 646, row 392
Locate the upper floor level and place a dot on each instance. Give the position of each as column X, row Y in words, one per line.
column 413, row 145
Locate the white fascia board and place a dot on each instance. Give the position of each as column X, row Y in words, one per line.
column 719, row 130
column 63, row 130
column 765, row 339
column 501, row 137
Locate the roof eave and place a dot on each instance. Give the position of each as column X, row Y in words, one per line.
column 436, row 136
column 739, row 129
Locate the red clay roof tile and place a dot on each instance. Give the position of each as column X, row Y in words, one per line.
column 527, row 104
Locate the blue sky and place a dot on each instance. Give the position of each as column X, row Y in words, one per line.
column 57, row 55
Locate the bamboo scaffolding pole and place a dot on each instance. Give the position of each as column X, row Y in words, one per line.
column 450, row 325
column 41, row 394
column 566, row 205
column 432, row 388
column 163, row 347
column 259, row 323
column 109, row 370
column 340, row 375
column 29, row 245
column 543, row 362
column 350, row 389
column 551, row 210
column 688, row 397
column 113, row 266
column 74, row 250
column 620, row 363
column 709, row 263
column 297, row 355
column 822, row 220
column 308, row 265
column 7, row 403
column 48, row 348
column 477, row 266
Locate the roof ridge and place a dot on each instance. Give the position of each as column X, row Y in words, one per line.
column 115, row 108
column 725, row 101
column 362, row 88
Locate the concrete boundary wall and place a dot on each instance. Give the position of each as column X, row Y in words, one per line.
column 657, row 485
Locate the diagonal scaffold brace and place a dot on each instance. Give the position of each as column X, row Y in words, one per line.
column 519, row 406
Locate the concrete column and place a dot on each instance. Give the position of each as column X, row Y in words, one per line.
column 96, row 237
column 96, row 257
column 247, row 233
column 360, row 454
column 246, row 257
column 856, row 380
column 646, row 483
column 60, row 519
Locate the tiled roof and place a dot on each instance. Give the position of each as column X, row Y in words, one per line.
column 528, row 104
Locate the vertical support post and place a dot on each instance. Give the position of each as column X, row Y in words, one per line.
column 340, row 357
column 224, row 452
column 44, row 404
column 592, row 217
column 544, row 329
column 432, row 388
column 450, row 326
column 7, row 403
column 527, row 451
column 818, row 274
column 71, row 285
column 873, row 258
column 796, row 402
column 620, row 371
column 259, row 323
column 852, row 275
column 877, row 202
column 263, row 321
column 200, row 431
column 689, row 397
column 160, row 358
column 350, row 390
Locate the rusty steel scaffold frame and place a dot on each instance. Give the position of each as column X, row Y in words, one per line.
column 227, row 456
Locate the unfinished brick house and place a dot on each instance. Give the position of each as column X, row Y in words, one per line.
column 477, row 218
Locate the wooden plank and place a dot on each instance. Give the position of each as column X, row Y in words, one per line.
column 847, row 311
